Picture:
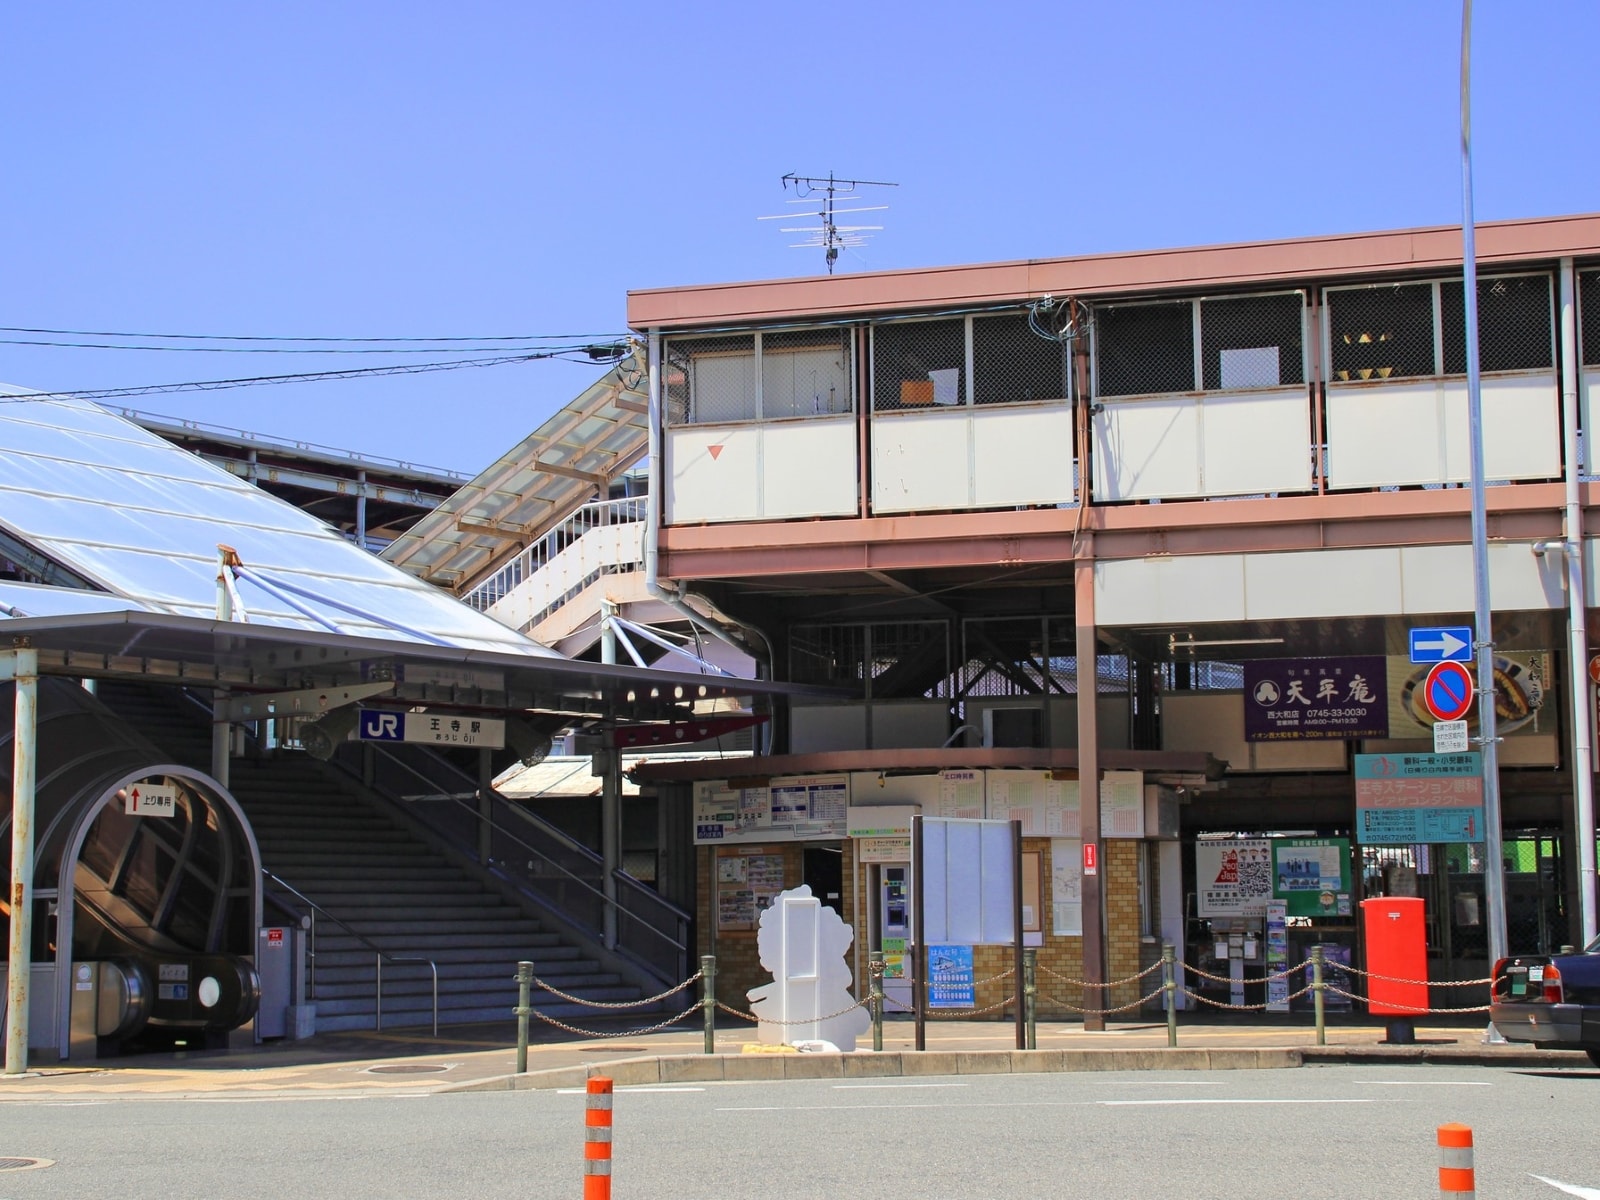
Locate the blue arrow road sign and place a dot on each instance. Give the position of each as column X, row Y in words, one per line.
column 1442, row 644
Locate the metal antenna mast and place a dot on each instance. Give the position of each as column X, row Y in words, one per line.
column 818, row 193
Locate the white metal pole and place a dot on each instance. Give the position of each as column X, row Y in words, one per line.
column 1577, row 631
column 24, row 740
column 1494, row 862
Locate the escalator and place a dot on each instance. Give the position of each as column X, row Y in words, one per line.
column 166, row 903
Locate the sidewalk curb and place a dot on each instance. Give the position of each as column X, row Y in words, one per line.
column 1460, row 1056
column 718, row 1068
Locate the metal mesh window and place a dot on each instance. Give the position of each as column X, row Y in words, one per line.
column 1144, row 349
column 805, row 373
column 1381, row 332
column 890, row 660
column 918, row 364
column 831, row 655
column 1516, row 327
column 710, row 380
column 1010, row 362
column 1589, row 316
column 1252, row 342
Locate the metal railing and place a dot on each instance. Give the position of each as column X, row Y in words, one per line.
column 555, row 871
column 379, row 954
column 594, row 515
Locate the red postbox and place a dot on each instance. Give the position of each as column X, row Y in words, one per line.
column 1397, row 956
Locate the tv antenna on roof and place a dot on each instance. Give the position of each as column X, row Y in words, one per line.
column 817, row 194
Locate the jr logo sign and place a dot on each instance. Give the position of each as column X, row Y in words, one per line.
column 378, row 726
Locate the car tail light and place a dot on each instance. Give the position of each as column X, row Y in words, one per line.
column 1497, row 976
column 1552, row 985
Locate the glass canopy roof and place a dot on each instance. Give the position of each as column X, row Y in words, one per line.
column 142, row 519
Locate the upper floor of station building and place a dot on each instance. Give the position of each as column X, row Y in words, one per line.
column 1320, row 381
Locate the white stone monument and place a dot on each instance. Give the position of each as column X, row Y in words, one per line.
column 804, row 944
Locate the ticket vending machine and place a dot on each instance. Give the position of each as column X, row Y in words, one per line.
column 894, row 935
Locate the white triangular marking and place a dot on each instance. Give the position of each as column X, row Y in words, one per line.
column 1582, row 1192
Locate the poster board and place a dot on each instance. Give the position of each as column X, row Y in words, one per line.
column 790, row 809
column 1066, row 887
column 1046, row 807
column 747, row 885
column 1233, row 877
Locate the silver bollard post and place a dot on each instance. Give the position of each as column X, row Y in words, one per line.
column 1030, row 995
column 1317, row 987
column 1169, row 988
column 524, row 1011
column 708, row 998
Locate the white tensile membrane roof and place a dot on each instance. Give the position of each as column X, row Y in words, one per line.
column 141, row 519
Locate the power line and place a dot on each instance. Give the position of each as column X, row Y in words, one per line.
column 211, row 385
column 248, row 337
column 284, row 349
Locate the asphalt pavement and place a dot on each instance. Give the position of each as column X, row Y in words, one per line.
column 483, row 1057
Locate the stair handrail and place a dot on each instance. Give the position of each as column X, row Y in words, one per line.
column 595, row 514
column 445, row 781
column 381, row 953
column 621, row 876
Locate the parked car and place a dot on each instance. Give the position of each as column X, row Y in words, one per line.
column 1552, row 1001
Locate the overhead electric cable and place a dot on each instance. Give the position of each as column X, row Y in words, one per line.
column 249, row 337
column 208, row 385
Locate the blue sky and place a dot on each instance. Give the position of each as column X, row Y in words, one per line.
column 364, row 169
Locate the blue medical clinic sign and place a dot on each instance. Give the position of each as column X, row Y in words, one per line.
column 1314, row 698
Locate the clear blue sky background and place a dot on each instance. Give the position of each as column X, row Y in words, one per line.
column 406, row 169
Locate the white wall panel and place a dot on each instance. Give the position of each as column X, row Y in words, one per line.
column 910, row 724
column 815, row 728
column 712, row 474
column 1322, row 583
column 1143, row 591
column 1021, row 456
column 1145, row 449
column 755, row 472
column 1438, row 579
column 808, row 468
column 1219, row 444
column 1416, row 431
column 1256, row 442
column 921, row 461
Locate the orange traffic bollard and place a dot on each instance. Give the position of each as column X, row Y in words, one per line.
column 1456, row 1180
column 597, row 1141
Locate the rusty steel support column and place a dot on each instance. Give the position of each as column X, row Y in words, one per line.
column 1094, row 899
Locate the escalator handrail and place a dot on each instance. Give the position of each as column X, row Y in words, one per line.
column 376, row 949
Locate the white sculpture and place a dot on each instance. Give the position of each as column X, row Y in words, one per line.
column 804, row 943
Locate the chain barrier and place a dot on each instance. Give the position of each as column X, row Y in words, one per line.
column 1106, row 1012
column 1194, row 995
column 1419, row 982
column 618, row 1004
column 1305, row 966
column 755, row 1020
column 590, row 1033
column 1409, row 1008
column 1150, row 970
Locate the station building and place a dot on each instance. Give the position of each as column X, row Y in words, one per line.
column 1215, row 488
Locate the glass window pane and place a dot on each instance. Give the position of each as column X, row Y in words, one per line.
column 1252, row 342
column 1010, row 362
column 805, row 373
column 1144, row 349
column 918, row 364
column 1381, row 332
column 1514, row 324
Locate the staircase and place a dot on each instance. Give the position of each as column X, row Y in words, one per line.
column 379, row 886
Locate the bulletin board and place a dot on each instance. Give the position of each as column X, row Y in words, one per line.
column 747, row 884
